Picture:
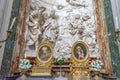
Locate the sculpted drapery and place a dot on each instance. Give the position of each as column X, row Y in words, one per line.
column 62, row 24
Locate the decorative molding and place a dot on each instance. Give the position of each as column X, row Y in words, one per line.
column 19, row 38
column 114, row 51
column 102, row 37
column 8, row 53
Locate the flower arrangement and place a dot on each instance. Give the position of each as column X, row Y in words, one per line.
column 96, row 65
column 61, row 59
column 24, row 64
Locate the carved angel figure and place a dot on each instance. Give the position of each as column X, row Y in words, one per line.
column 50, row 28
column 34, row 21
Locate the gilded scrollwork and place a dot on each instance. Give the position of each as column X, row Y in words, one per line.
column 80, row 60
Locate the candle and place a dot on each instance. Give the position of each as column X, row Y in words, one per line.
column 12, row 23
column 116, row 24
column 25, row 56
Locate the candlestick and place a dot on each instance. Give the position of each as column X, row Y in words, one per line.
column 12, row 23
column 116, row 24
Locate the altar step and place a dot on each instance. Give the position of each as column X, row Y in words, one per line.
column 36, row 78
column 53, row 78
column 29, row 78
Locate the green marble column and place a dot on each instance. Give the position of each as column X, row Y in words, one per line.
column 8, row 52
column 113, row 46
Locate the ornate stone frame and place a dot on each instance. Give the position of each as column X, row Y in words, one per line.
column 101, row 31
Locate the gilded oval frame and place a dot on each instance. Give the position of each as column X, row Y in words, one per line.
column 48, row 44
column 86, row 49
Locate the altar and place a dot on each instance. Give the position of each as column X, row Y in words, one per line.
column 62, row 38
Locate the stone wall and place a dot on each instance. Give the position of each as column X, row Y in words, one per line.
column 10, row 42
column 114, row 51
column 116, row 16
column 5, row 12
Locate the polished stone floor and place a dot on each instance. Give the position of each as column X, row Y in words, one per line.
column 57, row 78
column 52, row 78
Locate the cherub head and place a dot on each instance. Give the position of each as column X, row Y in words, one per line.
column 52, row 13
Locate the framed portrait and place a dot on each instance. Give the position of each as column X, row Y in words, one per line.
column 80, row 51
column 45, row 52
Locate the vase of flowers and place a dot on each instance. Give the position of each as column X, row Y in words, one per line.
column 24, row 65
column 96, row 66
column 60, row 61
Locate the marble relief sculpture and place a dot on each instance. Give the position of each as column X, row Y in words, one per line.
column 50, row 28
column 62, row 24
column 76, row 3
column 34, row 21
